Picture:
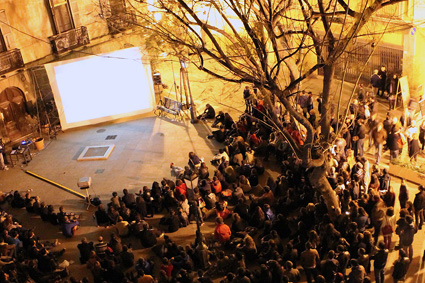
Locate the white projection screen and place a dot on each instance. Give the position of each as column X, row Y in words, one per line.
column 95, row 89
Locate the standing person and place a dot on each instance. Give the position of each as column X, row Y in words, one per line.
column 383, row 83
column 393, row 89
column 419, row 205
column 309, row 101
column 309, row 260
column 375, row 81
column 359, row 134
column 403, row 196
column 3, row 159
column 401, row 265
column 388, row 227
column 247, row 96
column 422, row 135
column 380, row 260
column 357, row 273
column 407, row 235
column 414, row 148
column 379, row 135
column 319, row 104
column 393, row 144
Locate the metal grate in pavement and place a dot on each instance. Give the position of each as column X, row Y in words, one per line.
column 111, row 137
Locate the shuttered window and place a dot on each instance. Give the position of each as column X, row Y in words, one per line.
column 65, row 14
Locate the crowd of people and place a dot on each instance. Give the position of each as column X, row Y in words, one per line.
column 273, row 232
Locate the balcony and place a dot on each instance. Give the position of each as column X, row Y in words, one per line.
column 120, row 22
column 10, row 60
column 69, row 40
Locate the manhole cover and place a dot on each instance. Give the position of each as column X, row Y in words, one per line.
column 112, row 137
column 99, row 171
column 101, row 131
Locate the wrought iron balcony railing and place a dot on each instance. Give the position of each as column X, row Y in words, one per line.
column 69, row 40
column 10, row 60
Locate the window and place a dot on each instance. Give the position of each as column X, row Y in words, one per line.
column 65, row 14
column 391, row 11
column 6, row 38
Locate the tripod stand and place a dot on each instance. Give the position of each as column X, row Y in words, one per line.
column 85, row 184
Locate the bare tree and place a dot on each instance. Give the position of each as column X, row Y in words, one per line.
column 267, row 43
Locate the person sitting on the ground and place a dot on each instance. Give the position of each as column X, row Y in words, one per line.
column 209, row 113
column 126, row 257
column 219, row 135
column 129, row 199
column 219, row 119
column 194, row 160
column 101, row 216
column 222, row 232
column 122, row 227
column 115, row 200
column 85, row 248
column 147, row 237
column 69, row 227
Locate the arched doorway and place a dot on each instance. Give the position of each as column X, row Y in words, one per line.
column 13, row 113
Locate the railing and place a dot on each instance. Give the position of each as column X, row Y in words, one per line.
column 10, row 60
column 120, row 22
column 69, row 40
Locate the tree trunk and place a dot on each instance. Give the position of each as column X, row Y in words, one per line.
column 321, row 184
column 325, row 121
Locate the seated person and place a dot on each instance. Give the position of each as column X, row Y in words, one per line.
column 222, row 232
column 69, row 227
column 194, row 160
column 123, row 227
column 209, row 113
column 219, row 119
column 85, row 248
column 219, row 135
column 147, row 237
column 101, row 216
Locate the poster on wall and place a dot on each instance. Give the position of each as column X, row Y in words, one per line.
column 404, row 87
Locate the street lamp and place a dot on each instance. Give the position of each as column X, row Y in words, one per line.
column 184, row 66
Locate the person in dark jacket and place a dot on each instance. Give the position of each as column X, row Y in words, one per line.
column 147, row 237
column 330, row 267
column 85, row 248
column 414, row 148
column 209, row 113
column 401, row 265
column 392, row 143
column 173, row 222
column 419, row 205
column 375, row 81
column 358, row 137
column 380, row 260
column 101, row 216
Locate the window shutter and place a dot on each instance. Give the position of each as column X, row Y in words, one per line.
column 75, row 13
column 6, row 31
